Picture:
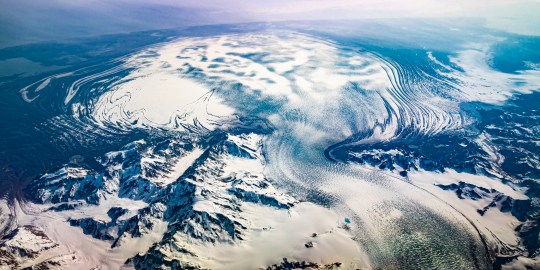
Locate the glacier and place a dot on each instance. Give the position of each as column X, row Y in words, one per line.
column 282, row 148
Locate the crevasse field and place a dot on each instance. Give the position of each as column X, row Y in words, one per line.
column 346, row 145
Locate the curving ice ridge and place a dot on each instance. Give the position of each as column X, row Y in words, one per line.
column 207, row 81
column 204, row 78
column 278, row 145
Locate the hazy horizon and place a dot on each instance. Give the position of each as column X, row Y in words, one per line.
column 30, row 21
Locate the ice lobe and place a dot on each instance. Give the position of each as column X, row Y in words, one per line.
column 161, row 99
